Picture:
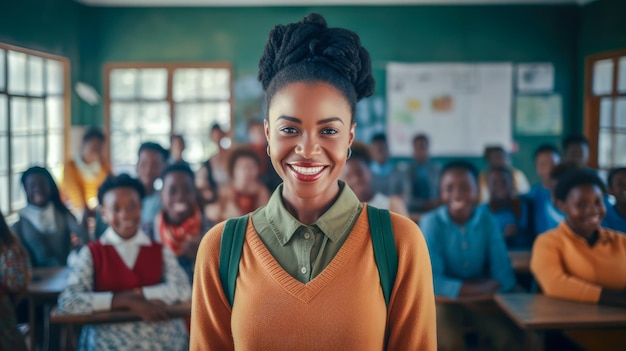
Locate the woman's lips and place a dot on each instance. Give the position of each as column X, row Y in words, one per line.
column 307, row 172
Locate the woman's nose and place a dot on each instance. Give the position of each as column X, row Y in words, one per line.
column 308, row 147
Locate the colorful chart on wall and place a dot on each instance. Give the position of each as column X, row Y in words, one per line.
column 538, row 115
column 461, row 107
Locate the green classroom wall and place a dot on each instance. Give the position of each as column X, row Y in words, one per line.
column 92, row 36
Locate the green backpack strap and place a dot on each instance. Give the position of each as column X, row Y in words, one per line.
column 231, row 247
column 385, row 251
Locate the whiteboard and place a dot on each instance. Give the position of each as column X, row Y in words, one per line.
column 461, row 107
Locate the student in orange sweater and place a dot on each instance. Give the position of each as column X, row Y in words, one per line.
column 307, row 278
column 580, row 260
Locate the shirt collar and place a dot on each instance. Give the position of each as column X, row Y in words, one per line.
column 333, row 223
column 110, row 237
column 604, row 235
column 443, row 212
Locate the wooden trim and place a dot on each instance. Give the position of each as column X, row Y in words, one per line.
column 33, row 52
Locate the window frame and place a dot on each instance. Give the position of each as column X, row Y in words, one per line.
column 170, row 67
column 65, row 62
column 591, row 107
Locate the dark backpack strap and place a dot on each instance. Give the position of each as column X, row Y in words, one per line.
column 384, row 249
column 231, row 247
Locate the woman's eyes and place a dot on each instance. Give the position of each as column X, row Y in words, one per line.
column 325, row 131
column 289, row 130
column 329, row 131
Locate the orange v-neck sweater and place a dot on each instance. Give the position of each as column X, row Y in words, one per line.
column 341, row 309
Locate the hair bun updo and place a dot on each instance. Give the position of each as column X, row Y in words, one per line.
column 310, row 51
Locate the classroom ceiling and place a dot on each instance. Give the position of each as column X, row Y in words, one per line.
column 220, row 3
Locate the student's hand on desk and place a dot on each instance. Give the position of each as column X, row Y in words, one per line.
column 149, row 311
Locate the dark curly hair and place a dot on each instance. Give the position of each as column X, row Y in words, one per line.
column 121, row 181
column 309, row 51
column 241, row 152
column 575, row 178
column 460, row 165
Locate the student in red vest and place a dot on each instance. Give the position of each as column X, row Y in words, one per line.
column 308, row 278
column 125, row 270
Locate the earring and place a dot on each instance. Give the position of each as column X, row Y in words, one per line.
column 349, row 153
column 268, row 151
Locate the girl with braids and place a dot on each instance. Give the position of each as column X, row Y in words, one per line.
column 307, row 277
column 46, row 227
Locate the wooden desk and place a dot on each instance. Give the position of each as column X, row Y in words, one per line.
column 536, row 314
column 520, row 260
column 181, row 310
column 45, row 287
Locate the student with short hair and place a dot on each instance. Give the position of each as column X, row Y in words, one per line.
column 126, row 270
column 496, row 156
column 151, row 161
column 469, row 260
column 616, row 214
column 180, row 224
column 83, row 174
column 358, row 176
column 580, row 260
column 546, row 158
column 45, row 226
column 423, row 174
column 576, row 150
column 388, row 179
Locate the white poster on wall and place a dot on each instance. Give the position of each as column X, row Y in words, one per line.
column 535, row 78
column 461, row 107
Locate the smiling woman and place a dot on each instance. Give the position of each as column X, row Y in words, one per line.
column 305, row 253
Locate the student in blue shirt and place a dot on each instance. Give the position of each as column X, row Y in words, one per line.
column 469, row 260
column 616, row 214
column 387, row 178
column 546, row 159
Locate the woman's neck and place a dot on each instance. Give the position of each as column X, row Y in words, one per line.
column 307, row 211
column 590, row 237
column 461, row 217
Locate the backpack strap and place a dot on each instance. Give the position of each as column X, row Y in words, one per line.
column 231, row 247
column 385, row 251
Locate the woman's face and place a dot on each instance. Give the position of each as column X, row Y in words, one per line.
column 92, row 150
column 121, row 209
column 500, row 185
column 584, row 208
column 309, row 131
column 178, row 197
column 245, row 171
column 459, row 191
column 37, row 190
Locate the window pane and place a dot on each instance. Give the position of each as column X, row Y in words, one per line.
column 4, row 121
column 55, row 113
column 56, row 171
column 153, row 83
column 55, row 150
column 156, row 118
column 620, row 114
column 37, row 150
column 215, row 83
column 196, row 148
column 124, row 148
column 55, row 78
column 19, row 114
column 2, row 77
column 19, row 198
column 606, row 110
column 36, row 115
column 35, row 75
column 4, row 154
column 123, row 84
column 185, row 84
column 604, row 149
column 162, row 139
column 4, row 194
column 621, row 83
column 620, row 146
column 17, row 72
column 199, row 117
column 124, row 116
column 19, row 153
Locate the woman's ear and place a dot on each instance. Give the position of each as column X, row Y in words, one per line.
column 352, row 133
column 266, row 128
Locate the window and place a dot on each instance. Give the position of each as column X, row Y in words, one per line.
column 34, row 116
column 605, row 108
column 149, row 102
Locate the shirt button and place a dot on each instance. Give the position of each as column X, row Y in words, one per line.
column 464, row 246
column 303, row 270
column 307, row 236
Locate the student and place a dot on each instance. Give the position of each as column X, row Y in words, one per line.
column 151, row 161
column 177, row 148
column 358, row 176
column 469, row 260
column 423, row 194
column 512, row 212
column 576, row 150
column 180, row 224
column 245, row 192
column 496, row 156
column 15, row 273
column 219, row 160
column 208, row 190
column 546, row 159
column 308, row 278
column 387, row 178
column 47, row 228
column 580, row 260
column 258, row 143
column 616, row 214
column 550, row 216
column 125, row 270
column 84, row 173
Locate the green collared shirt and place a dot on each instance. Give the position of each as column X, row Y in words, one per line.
column 304, row 251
